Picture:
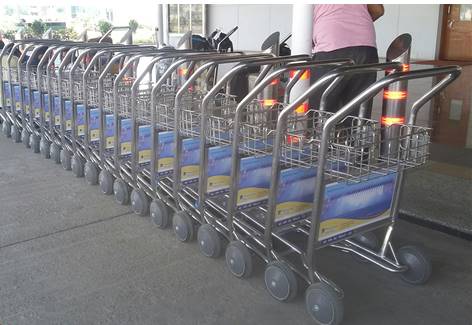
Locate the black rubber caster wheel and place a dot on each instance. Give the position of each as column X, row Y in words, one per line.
column 66, row 158
column 6, row 128
column 209, row 241
column 91, row 173
column 34, row 142
column 15, row 134
column 160, row 214
column 45, row 148
column 368, row 240
column 280, row 281
column 55, row 153
column 139, row 202
column 121, row 192
column 25, row 136
column 183, row 226
column 238, row 259
column 77, row 166
column 105, row 180
column 418, row 265
column 323, row 304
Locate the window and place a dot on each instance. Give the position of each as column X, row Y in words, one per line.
column 185, row 17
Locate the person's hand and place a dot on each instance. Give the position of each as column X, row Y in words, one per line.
column 375, row 11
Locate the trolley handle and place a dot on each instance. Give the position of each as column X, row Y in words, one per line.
column 420, row 102
column 230, row 74
column 111, row 30
column 286, row 38
column 150, row 66
column 195, row 56
column 231, row 32
column 298, row 65
column 212, row 64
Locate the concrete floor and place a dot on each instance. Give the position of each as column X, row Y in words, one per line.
column 69, row 255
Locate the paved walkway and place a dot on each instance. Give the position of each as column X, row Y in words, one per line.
column 69, row 255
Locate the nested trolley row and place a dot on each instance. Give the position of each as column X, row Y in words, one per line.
column 251, row 176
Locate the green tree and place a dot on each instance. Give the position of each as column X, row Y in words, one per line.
column 104, row 26
column 134, row 25
column 9, row 34
column 37, row 28
column 66, row 34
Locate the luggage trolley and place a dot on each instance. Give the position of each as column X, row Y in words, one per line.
column 186, row 117
column 329, row 184
column 216, row 153
column 22, row 90
column 192, row 117
column 142, row 140
column 6, row 90
column 60, row 98
column 31, row 135
column 163, row 137
column 13, row 90
column 79, row 84
column 69, row 85
column 58, row 87
column 94, row 83
column 49, row 116
column 118, row 101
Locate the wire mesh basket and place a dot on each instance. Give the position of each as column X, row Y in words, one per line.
column 164, row 109
column 13, row 76
column 143, row 104
column 45, row 83
column 190, row 113
column 357, row 148
column 34, row 79
column 257, row 126
column 221, row 119
column 91, row 87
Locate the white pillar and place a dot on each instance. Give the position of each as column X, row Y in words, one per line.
column 302, row 30
column 165, row 22
column 160, row 26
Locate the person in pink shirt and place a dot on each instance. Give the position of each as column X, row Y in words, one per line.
column 345, row 31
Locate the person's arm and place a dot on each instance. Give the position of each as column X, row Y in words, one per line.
column 375, row 11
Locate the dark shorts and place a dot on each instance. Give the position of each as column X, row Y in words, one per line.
column 350, row 86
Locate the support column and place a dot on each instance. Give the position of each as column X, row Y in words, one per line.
column 302, row 30
column 165, row 22
column 160, row 26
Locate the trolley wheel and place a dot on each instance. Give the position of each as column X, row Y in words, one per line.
column 54, row 153
column 25, row 137
column 368, row 240
column 66, row 158
column 238, row 259
column 34, row 142
column 121, row 191
column 160, row 214
column 280, row 281
column 77, row 166
column 105, row 179
column 418, row 264
column 15, row 133
column 91, row 173
column 323, row 304
column 44, row 148
column 183, row 226
column 6, row 128
column 139, row 202
column 209, row 240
